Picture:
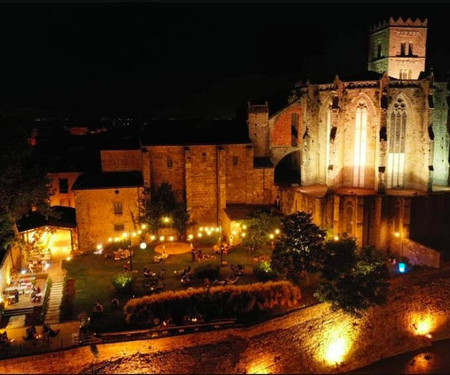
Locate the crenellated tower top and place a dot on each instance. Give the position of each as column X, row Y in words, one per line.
column 398, row 47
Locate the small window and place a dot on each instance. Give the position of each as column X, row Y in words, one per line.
column 402, row 49
column 235, row 160
column 119, row 227
column 379, row 50
column 63, row 185
column 118, row 210
column 204, row 156
column 410, row 49
column 169, row 163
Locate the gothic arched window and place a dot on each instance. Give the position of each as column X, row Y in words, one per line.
column 328, row 140
column 396, row 144
column 359, row 160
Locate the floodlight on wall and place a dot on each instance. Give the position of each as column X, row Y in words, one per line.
column 143, row 245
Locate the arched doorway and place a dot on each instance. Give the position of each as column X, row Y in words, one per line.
column 287, row 171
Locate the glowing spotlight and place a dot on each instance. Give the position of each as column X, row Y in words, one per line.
column 243, row 234
column 401, row 267
column 397, row 234
column 217, row 229
column 134, row 234
column 166, row 219
column 336, row 238
column 116, row 239
column 271, row 236
column 190, row 237
column 171, row 238
column 69, row 258
column 336, row 351
column 162, row 238
column 277, row 231
column 199, row 235
column 234, row 233
column 143, row 226
column 125, row 234
column 139, row 231
column 200, row 229
column 99, row 246
column 23, row 272
column 110, row 239
column 244, row 226
column 143, row 245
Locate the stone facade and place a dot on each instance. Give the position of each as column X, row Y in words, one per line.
column 96, row 217
column 310, row 340
column 205, row 177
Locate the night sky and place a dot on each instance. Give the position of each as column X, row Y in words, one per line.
column 192, row 60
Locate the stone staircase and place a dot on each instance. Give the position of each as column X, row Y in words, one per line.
column 54, row 303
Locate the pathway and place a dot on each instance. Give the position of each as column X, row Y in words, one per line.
column 56, row 273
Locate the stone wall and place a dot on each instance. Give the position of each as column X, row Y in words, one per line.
column 311, row 340
column 11, row 260
column 96, row 218
column 417, row 253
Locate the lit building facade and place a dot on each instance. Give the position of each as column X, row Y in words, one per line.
column 364, row 147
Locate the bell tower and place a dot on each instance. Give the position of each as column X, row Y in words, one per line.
column 398, row 47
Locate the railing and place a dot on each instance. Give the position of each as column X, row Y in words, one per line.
column 22, row 349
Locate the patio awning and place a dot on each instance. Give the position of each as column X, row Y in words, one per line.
column 64, row 218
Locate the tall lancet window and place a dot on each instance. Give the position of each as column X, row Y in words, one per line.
column 328, row 140
column 359, row 160
column 396, row 144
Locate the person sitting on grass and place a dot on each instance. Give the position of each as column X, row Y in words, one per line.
column 115, row 303
column 98, row 308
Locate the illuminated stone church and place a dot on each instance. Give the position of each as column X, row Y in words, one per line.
column 364, row 148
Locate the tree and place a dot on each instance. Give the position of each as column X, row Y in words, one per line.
column 163, row 205
column 25, row 184
column 354, row 280
column 260, row 225
column 299, row 248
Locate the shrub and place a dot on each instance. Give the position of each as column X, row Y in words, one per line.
column 209, row 271
column 232, row 301
column 123, row 282
column 67, row 304
column 264, row 272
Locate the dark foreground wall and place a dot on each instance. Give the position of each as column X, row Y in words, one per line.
column 313, row 340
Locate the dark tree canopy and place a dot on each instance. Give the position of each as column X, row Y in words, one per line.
column 354, row 280
column 163, row 204
column 24, row 185
column 300, row 246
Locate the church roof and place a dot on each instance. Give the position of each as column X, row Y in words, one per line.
column 108, row 180
column 194, row 132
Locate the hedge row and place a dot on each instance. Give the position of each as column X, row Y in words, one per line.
column 232, row 301
column 67, row 303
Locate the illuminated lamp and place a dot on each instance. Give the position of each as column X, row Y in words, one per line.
column 401, row 267
column 143, row 245
column 271, row 236
column 162, row 238
column 277, row 231
column 152, row 237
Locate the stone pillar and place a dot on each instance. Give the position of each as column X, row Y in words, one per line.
column 188, row 179
column 336, row 211
column 377, row 226
column 249, row 171
column 221, row 181
column 146, row 168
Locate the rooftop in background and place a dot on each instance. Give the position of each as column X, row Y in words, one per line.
column 108, row 180
column 194, row 132
column 65, row 219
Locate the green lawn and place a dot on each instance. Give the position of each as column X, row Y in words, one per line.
column 93, row 276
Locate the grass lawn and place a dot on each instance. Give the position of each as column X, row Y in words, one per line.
column 93, row 276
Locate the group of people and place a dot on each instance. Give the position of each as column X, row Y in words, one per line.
column 187, row 276
column 47, row 333
column 4, row 339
